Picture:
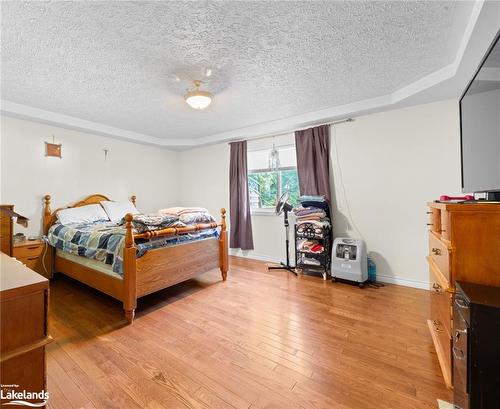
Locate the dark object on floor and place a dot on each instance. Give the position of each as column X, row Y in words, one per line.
column 476, row 346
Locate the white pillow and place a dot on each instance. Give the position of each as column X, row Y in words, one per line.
column 117, row 210
column 83, row 214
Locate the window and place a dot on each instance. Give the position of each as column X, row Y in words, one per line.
column 266, row 186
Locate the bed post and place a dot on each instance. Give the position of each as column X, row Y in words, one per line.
column 49, row 262
column 223, row 246
column 47, row 214
column 129, row 272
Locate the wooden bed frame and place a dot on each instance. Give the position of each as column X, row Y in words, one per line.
column 157, row 269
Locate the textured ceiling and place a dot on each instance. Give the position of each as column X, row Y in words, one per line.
column 124, row 64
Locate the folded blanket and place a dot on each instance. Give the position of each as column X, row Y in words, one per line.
column 189, row 215
column 321, row 223
column 307, row 211
column 143, row 223
column 311, row 217
column 177, row 211
column 194, row 218
column 311, row 198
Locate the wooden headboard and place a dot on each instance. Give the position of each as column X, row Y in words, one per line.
column 49, row 217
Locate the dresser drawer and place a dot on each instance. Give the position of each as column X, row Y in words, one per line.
column 442, row 345
column 445, row 225
column 439, row 253
column 28, row 309
column 35, row 262
column 28, row 250
column 441, row 302
column 27, row 371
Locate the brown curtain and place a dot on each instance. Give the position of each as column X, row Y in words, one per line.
column 240, row 231
column 313, row 160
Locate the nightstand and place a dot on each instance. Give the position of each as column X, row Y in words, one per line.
column 36, row 255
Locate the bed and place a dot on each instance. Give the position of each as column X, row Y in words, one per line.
column 155, row 269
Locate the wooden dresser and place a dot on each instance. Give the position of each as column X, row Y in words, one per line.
column 35, row 255
column 6, row 231
column 23, row 311
column 464, row 245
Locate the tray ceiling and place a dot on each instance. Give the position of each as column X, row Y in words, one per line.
column 124, row 65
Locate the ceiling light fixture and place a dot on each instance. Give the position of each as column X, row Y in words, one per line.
column 274, row 159
column 198, row 99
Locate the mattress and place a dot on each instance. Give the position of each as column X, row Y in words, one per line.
column 88, row 262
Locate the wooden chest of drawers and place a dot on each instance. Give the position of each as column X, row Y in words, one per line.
column 464, row 244
column 35, row 255
column 6, row 231
column 23, row 313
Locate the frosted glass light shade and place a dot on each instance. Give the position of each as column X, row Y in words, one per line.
column 198, row 99
column 274, row 159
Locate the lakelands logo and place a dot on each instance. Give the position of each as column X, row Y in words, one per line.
column 13, row 397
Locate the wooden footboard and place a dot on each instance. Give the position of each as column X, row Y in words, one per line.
column 161, row 268
column 157, row 269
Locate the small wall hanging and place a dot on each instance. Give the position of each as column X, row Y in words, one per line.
column 53, row 149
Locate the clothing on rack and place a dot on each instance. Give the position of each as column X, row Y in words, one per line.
column 311, row 246
column 303, row 259
column 313, row 234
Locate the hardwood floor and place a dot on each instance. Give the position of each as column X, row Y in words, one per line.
column 259, row 340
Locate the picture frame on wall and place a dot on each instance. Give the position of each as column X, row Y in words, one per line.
column 53, row 150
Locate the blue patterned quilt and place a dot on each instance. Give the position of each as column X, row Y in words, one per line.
column 104, row 241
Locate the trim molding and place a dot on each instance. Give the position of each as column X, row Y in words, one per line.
column 366, row 106
column 255, row 256
column 423, row 285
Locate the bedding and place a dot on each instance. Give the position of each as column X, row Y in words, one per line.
column 100, row 241
column 177, row 211
column 82, row 214
column 189, row 215
column 143, row 223
column 117, row 210
column 104, row 242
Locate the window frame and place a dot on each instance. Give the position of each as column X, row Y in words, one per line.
column 269, row 211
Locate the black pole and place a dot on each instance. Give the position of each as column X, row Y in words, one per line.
column 286, row 266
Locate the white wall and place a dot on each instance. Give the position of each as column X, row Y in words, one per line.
column 27, row 175
column 392, row 164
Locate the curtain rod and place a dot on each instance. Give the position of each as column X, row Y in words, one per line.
column 273, row 135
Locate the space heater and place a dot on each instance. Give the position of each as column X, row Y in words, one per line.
column 349, row 261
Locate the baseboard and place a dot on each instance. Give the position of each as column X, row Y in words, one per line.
column 255, row 256
column 424, row 285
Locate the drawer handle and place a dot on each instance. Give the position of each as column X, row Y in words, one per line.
column 430, row 224
column 458, row 354
column 32, row 258
column 458, row 332
column 437, row 324
column 461, row 303
column 437, row 287
column 436, row 251
column 32, row 248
